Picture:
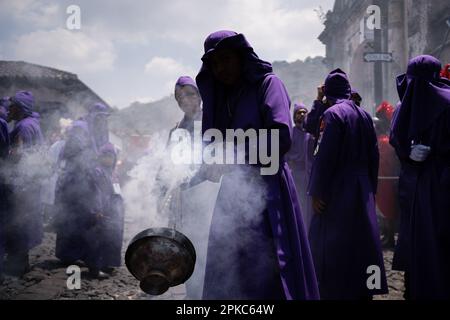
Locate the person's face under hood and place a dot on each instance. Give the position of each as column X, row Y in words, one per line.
column 107, row 160
column 101, row 123
column 226, row 66
column 15, row 113
column 188, row 99
column 299, row 117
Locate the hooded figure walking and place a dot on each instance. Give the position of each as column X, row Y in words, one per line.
column 344, row 235
column 24, row 222
column 78, row 194
column 108, row 233
column 4, row 153
column 257, row 246
column 300, row 158
column 420, row 134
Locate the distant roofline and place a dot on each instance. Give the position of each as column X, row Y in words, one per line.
column 53, row 73
column 37, row 66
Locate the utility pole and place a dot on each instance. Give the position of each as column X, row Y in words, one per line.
column 378, row 47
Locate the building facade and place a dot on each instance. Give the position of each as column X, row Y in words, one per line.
column 399, row 29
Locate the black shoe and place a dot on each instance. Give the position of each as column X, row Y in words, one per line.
column 2, row 279
column 17, row 265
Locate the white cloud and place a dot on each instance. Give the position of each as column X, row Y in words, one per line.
column 107, row 52
column 276, row 30
column 36, row 13
column 165, row 71
column 279, row 29
column 70, row 50
column 166, row 67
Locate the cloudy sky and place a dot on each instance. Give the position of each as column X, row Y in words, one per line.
column 134, row 50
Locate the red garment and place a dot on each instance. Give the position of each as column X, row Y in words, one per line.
column 387, row 192
column 445, row 73
column 385, row 110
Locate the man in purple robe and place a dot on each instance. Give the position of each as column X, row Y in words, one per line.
column 344, row 235
column 252, row 253
column 70, row 193
column 4, row 152
column 189, row 101
column 24, row 225
column 420, row 134
column 78, row 201
column 300, row 158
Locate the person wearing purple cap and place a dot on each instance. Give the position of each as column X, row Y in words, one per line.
column 189, row 101
column 420, row 134
column 24, row 225
column 255, row 250
column 4, row 152
column 344, row 235
column 300, row 158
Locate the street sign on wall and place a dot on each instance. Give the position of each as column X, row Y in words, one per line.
column 378, row 56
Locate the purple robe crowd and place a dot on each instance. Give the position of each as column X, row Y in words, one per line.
column 307, row 232
column 90, row 214
column 22, row 225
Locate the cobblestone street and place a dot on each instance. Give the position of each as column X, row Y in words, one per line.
column 47, row 280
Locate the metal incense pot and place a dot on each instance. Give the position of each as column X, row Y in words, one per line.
column 160, row 258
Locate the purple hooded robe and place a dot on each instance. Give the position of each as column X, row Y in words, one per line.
column 423, row 116
column 76, row 197
column 109, row 231
column 345, row 239
column 300, row 158
column 24, row 219
column 4, row 152
column 270, row 258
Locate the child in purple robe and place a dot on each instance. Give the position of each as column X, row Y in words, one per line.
column 344, row 235
column 109, row 232
column 420, row 134
column 253, row 252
